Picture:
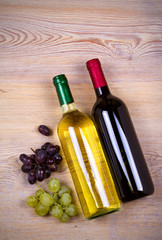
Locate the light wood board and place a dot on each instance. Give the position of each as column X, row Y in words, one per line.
column 40, row 39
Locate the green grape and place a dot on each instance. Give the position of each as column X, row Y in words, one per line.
column 50, row 208
column 31, row 201
column 64, row 217
column 41, row 210
column 71, row 210
column 59, row 201
column 54, row 185
column 57, row 211
column 46, row 199
column 64, row 189
column 38, row 193
column 65, row 199
column 56, row 198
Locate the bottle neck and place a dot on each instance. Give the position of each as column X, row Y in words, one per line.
column 67, row 108
column 97, row 77
column 102, row 91
column 64, row 94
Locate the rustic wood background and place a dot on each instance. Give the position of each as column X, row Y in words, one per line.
column 40, row 39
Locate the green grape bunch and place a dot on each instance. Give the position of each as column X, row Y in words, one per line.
column 58, row 202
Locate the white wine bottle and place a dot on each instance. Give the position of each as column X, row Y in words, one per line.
column 85, row 157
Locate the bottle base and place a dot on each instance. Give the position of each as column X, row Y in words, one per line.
column 135, row 196
column 102, row 211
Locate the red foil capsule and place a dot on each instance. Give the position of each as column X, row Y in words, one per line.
column 96, row 73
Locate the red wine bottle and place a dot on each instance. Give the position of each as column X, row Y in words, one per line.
column 119, row 139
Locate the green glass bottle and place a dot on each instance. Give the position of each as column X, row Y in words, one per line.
column 85, row 157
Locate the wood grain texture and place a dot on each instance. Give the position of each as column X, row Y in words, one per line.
column 40, row 39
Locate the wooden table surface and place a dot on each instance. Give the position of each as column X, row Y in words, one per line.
column 40, row 39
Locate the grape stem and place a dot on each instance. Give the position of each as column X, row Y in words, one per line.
column 33, row 150
column 39, row 187
column 56, row 204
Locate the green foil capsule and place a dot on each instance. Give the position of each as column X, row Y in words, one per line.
column 63, row 90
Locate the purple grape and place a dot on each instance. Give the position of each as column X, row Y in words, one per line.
column 43, row 165
column 25, row 159
column 57, row 148
column 39, row 174
column 53, row 167
column 51, row 149
column 37, row 150
column 32, row 158
column 26, row 168
column 47, row 172
column 49, row 160
column 57, row 158
column 44, row 130
column 41, row 156
column 44, row 146
column 32, row 177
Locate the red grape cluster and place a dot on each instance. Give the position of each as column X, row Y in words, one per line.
column 40, row 165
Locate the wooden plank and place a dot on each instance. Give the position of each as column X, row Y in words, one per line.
column 40, row 39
